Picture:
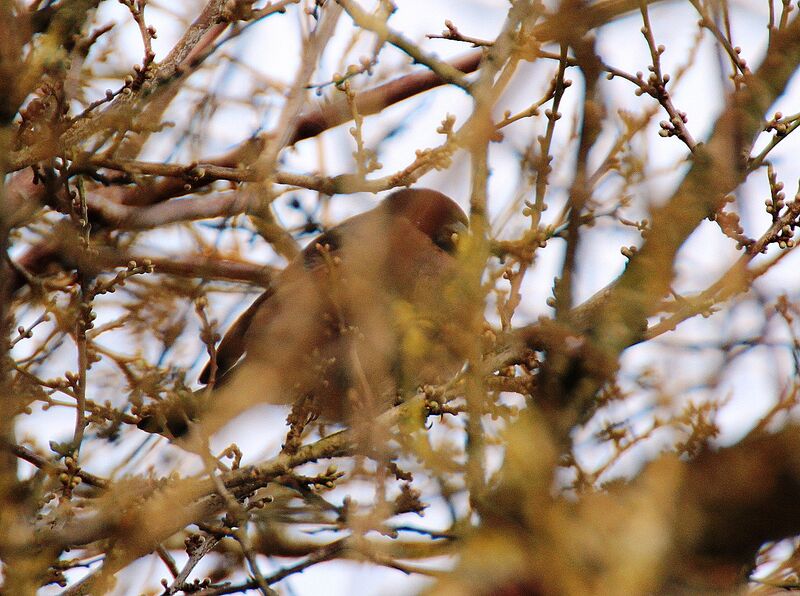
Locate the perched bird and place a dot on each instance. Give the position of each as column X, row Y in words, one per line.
column 370, row 308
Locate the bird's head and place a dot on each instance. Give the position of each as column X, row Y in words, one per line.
column 433, row 213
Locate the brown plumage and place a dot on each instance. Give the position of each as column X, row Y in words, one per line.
column 371, row 307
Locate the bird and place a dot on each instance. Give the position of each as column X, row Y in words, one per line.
column 371, row 308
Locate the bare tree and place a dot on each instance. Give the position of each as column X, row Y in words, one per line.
column 578, row 449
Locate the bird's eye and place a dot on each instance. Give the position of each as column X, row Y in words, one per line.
column 443, row 244
column 446, row 241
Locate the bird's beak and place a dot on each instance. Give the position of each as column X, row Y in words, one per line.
column 450, row 235
column 457, row 231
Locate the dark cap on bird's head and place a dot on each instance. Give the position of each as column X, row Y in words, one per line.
column 431, row 212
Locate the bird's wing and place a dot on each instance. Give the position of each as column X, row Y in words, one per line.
column 310, row 263
column 233, row 345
